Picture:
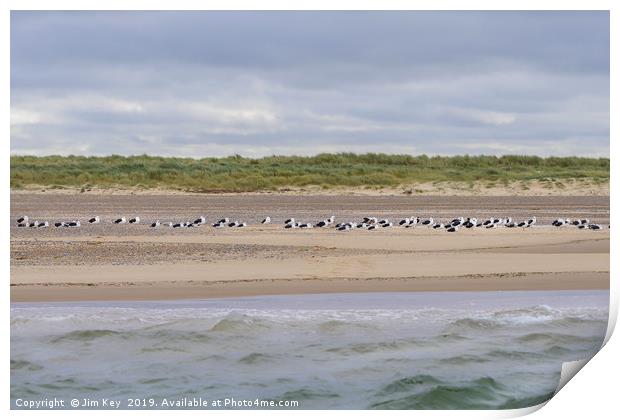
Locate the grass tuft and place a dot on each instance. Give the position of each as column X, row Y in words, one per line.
column 273, row 173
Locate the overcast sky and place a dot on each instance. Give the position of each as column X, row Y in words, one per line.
column 260, row 83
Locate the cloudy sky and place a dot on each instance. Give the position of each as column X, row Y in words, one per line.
column 260, row 83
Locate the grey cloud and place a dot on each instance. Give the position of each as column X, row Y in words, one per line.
column 218, row 83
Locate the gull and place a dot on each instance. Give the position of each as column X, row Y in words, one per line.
column 23, row 219
column 471, row 223
column 94, row 220
column 120, row 221
column 201, row 220
column 428, row 222
column 413, row 222
column 134, row 220
column 457, row 222
column 155, row 224
column 350, row 224
column 266, row 220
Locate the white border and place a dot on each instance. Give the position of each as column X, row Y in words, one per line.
column 592, row 394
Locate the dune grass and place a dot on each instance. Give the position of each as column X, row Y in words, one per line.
column 240, row 174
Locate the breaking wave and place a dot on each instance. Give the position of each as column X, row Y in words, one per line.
column 422, row 354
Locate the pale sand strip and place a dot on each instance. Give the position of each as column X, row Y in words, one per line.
column 362, row 267
column 185, row 290
column 503, row 259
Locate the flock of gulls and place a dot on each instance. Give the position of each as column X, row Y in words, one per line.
column 368, row 223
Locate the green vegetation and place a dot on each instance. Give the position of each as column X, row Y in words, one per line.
column 239, row 174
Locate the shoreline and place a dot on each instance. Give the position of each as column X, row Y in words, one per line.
column 31, row 293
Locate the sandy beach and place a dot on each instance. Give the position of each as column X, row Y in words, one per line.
column 108, row 262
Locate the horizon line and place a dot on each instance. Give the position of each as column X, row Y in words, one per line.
column 237, row 155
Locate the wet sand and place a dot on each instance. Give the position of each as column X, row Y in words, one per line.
column 108, row 262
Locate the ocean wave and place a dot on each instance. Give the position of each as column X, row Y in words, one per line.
column 338, row 326
column 512, row 355
column 307, row 394
column 529, row 401
column 85, row 336
column 474, row 324
column 509, row 317
column 374, row 346
column 463, row 360
column 558, row 351
column 584, row 320
column 235, row 322
column 448, row 337
column 256, row 358
column 556, row 338
column 25, row 365
column 167, row 335
column 408, row 383
column 482, row 393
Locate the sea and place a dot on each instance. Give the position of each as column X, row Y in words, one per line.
column 445, row 350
